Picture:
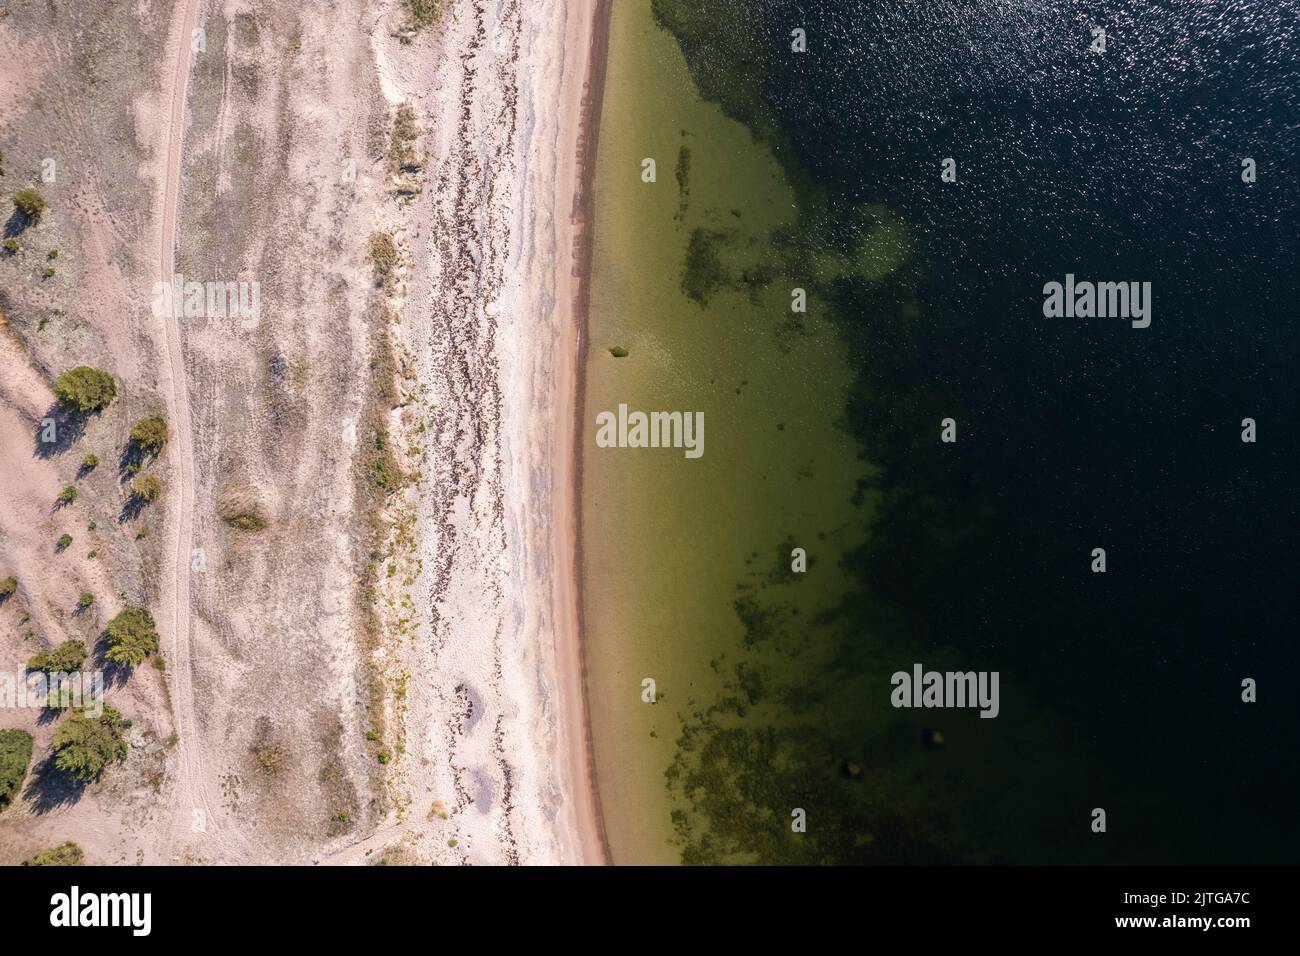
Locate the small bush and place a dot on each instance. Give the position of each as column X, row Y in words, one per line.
column 85, row 389
column 270, row 758
column 64, row 659
column 85, row 601
column 7, row 588
column 84, row 746
column 65, row 854
column 15, row 755
column 247, row 521
column 64, row 541
column 147, row 488
column 402, row 154
column 618, row 352
column 424, row 13
column 384, row 756
column 150, row 434
column 11, row 246
column 68, row 495
column 383, row 257
column 132, row 636
column 90, row 463
column 30, row 203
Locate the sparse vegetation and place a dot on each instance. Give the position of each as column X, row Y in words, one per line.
column 30, row 203
column 150, row 434
column 64, row 659
column 85, row 389
column 85, row 601
column 7, row 588
column 132, row 636
column 63, row 542
column 384, row 756
column 68, row 495
column 84, row 745
column 424, row 13
column 65, row 854
column 11, row 246
column 239, row 509
column 402, row 155
column 90, row 463
column 383, row 257
column 270, row 758
column 618, row 352
column 15, row 755
column 146, row 488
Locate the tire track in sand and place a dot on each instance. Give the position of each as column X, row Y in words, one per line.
column 190, row 792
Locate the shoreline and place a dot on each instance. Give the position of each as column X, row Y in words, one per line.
column 569, row 397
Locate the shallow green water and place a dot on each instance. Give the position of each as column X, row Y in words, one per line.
column 670, row 542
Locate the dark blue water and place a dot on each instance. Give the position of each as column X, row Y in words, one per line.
column 1073, row 433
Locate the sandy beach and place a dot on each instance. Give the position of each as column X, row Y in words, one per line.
column 492, row 315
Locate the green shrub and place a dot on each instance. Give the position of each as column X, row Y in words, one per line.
column 147, row 488
column 85, row 389
column 90, row 462
column 7, row 588
column 52, row 254
column 15, row 755
column 132, row 636
column 85, row 601
column 618, row 352
column 84, row 746
column 11, row 246
column 64, row 541
column 68, row 495
column 65, row 854
column 64, row 659
column 30, row 203
column 150, row 434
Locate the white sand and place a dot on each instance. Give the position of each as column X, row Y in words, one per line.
column 494, row 719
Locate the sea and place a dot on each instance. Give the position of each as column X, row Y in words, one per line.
column 833, row 228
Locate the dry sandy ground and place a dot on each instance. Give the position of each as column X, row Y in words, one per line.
column 389, row 669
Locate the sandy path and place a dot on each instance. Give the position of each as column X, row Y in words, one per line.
column 191, row 791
